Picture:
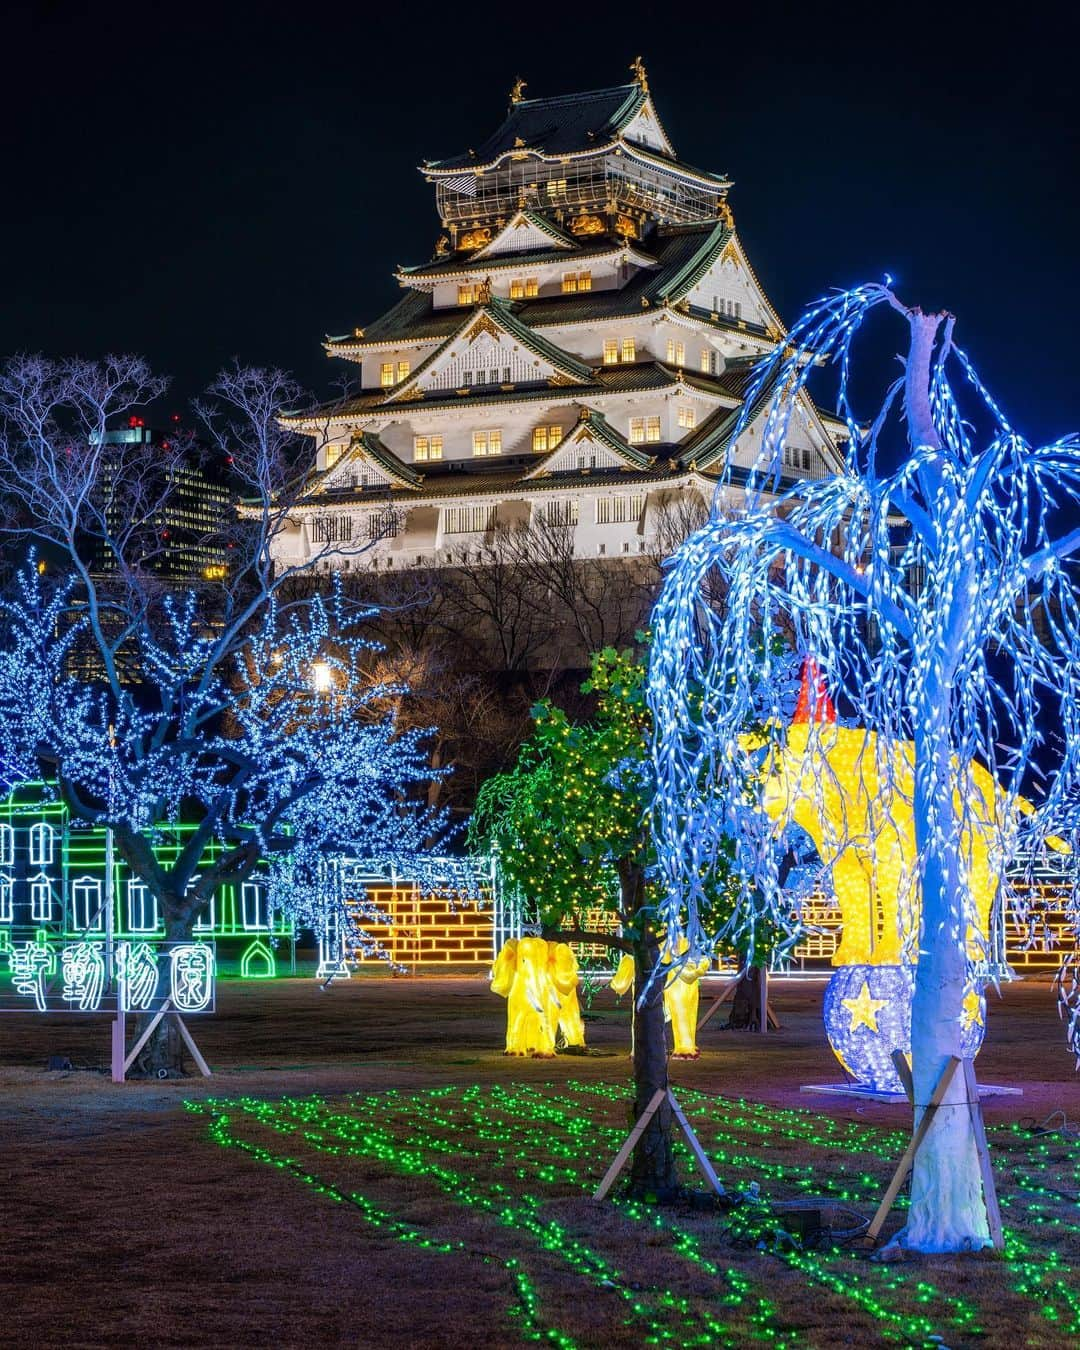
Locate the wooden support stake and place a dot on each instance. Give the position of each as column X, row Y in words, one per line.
column 635, row 1134
column 729, row 992
column 628, row 1147
column 900, row 1175
column 993, row 1211
column 136, row 1049
column 119, row 1037
column 903, row 1072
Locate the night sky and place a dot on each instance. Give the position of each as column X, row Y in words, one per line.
column 197, row 182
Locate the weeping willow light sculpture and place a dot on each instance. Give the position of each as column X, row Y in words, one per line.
column 966, row 666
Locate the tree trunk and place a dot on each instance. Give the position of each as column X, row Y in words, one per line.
column 947, row 1211
column 652, row 1170
column 747, row 1002
column 163, row 1054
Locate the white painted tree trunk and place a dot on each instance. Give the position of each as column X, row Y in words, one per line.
column 947, row 1210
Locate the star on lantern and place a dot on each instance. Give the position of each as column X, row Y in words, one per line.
column 864, row 1009
column 971, row 1010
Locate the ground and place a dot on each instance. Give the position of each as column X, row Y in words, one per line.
column 435, row 1193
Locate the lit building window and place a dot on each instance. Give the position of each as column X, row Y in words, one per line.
column 517, row 290
column 676, row 352
column 41, row 905
column 87, row 914
column 687, row 417
column 644, row 429
column 386, row 374
column 611, row 353
column 629, row 349
column 142, row 908
column 546, row 438
column 584, row 281
column 333, row 454
column 531, row 288
column 487, row 442
column 706, row 360
column 402, row 371
column 254, row 908
column 569, row 283
column 469, row 294
column 556, row 187
column 426, row 448
column 42, row 844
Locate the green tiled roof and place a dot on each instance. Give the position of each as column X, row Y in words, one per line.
column 564, row 256
column 600, row 431
column 682, row 253
column 556, row 126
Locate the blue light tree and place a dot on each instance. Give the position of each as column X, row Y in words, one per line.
column 242, row 704
column 935, row 593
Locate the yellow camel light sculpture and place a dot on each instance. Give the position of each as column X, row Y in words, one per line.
column 682, row 993
column 539, row 981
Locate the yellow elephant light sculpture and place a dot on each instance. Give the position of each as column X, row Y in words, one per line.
column 565, row 1008
column 852, row 793
column 682, row 992
column 539, row 981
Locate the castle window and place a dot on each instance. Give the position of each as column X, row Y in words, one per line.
column 42, row 844
column 611, row 353
column 402, row 371
column 386, row 374
column 556, row 187
column 676, row 352
column 468, row 295
column 619, row 510
column 531, row 288
column 546, row 438
column 331, row 529
column 517, row 290
column 487, row 442
column 687, row 417
column 644, row 429
column 427, row 448
column 468, row 519
column 569, row 283
column 333, row 454
column 383, row 524
column 629, row 349
column 561, row 512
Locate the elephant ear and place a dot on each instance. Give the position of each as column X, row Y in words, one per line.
column 564, row 968
column 502, row 974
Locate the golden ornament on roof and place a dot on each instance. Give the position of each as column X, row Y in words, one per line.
column 518, row 91
column 637, row 65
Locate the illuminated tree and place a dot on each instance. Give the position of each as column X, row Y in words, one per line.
column 569, row 826
column 936, row 597
column 230, row 703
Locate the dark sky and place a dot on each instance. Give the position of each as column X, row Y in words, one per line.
column 200, row 182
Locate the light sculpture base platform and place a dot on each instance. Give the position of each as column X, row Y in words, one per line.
column 899, row 1098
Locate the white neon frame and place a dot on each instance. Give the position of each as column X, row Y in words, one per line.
column 254, row 892
column 41, row 911
column 92, row 917
column 7, row 900
column 205, row 922
column 7, row 846
column 139, row 893
column 40, row 834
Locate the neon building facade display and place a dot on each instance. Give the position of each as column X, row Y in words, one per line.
column 53, row 884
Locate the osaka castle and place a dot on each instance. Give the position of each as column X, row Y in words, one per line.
column 574, row 353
